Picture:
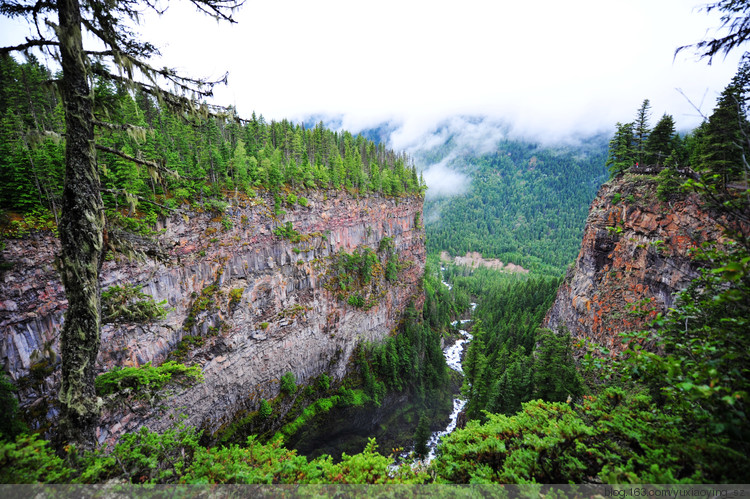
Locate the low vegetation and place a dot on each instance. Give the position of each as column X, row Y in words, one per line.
column 128, row 303
column 145, row 380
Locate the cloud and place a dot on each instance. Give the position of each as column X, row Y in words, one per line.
column 443, row 180
column 549, row 69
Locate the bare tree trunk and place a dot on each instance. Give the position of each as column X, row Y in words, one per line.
column 81, row 225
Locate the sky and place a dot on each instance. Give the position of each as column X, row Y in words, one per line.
column 545, row 70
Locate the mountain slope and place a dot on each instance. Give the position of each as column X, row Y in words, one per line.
column 525, row 204
column 249, row 297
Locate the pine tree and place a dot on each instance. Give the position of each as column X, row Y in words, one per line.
column 723, row 139
column 621, row 149
column 641, row 131
column 661, row 141
column 422, row 435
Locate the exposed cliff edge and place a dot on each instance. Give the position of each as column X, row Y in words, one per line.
column 635, row 253
column 260, row 304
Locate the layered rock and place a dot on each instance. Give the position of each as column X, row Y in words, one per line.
column 634, row 257
column 257, row 304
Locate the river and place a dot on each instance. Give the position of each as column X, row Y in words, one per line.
column 453, row 354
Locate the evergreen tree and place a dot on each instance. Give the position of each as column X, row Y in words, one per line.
column 661, row 141
column 555, row 374
column 641, row 131
column 422, row 435
column 82, row 218
column 723, row 139
column 622, row 154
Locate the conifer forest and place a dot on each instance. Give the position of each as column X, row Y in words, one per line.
column 578, row 314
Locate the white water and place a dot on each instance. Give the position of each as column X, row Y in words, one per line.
column 453, row 359
column 452, row 355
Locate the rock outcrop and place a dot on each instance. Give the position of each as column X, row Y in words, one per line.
column 474, row 259
column 634, row 256
column 245, row 303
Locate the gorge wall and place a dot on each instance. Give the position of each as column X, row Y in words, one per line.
column 635, row 254
column 245, row 304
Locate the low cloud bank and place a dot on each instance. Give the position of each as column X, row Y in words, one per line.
column 443, row 180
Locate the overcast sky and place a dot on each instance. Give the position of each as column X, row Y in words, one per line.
column 548, row 68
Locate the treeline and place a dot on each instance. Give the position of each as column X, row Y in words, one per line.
column 716, row 148
column 149, row 153
column 526, row 204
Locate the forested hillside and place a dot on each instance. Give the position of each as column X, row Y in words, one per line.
column 526, row 204
column 155, row 158
column 669, row 405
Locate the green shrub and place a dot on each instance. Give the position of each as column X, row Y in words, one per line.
column 356, row 300
column 265, row 410
column 287, row 231
column 324, row 382
column 392, row 268
column 288, row 383
column 147, row 379
column 128, row 303
column 30, row 460
column 235, row 295
column 181, row 194
column 144, row 457
column 216, row 205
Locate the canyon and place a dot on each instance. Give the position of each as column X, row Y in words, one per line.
column 251, row 294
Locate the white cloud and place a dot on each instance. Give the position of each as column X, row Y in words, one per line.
column 548, row 68
column 442, row 180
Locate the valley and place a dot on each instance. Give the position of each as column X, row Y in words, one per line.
column 191, row 296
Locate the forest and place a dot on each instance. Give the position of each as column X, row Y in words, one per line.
column 155, row 158
column 671, row 409
column 526, row 204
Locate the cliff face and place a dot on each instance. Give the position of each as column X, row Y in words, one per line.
column 623, row 265
column 253, row 305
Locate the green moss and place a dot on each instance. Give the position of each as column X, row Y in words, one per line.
column 185, row 346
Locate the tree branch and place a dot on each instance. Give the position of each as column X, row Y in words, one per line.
column 144, row 162
column 219, row 9
column 29, row 44
column 122, row 192
column 16, row 9
column 149, row 164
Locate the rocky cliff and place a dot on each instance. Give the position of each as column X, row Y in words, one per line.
column 634, row 255
column 250, row 296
